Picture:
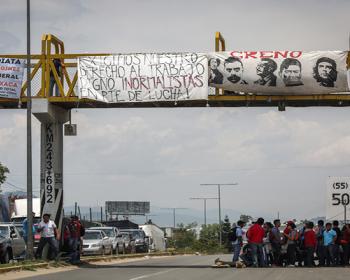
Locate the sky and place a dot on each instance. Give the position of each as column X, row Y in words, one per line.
column 280, row 160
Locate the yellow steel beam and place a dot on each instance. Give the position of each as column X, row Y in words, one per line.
column 219, row 42
column 71, row 87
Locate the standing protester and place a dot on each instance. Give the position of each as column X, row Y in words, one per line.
column 329, row 237
column 75, row 231
column 236, row 238
column 320, row 250
column 26, row 229
column 345, row 243
column 309, row 244
column 276, row 242
column 336, row 246
column 53, row 84
column 292, row 236
column 49, row 234
column 255, row 236
column 268, row 256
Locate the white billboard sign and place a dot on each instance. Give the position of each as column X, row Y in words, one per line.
column 11, row 76
column 338, row 198
column 279, row 72
column 147, row 77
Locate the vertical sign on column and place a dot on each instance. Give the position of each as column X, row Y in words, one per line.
column 49, row 191
column 49, row 174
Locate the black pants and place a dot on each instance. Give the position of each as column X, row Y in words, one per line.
column 291, row 250
column 346, row 251
column 329, row 254
column 276, row 252
column 52, row 246
column 321, row 254
column 309, row 260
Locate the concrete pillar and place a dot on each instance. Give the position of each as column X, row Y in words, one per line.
column 52, row 119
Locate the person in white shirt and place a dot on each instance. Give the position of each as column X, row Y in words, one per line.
column 49, row 234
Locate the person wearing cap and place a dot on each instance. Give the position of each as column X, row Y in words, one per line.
column 49, row 234
column 26, row 229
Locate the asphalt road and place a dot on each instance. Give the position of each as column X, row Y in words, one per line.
column 192, row 268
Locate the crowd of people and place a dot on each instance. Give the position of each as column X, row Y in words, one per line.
column 72, row 237
column 268, row 245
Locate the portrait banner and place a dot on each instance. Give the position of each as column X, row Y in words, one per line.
column 11, row 77
column 279, row 72
column 145, row 77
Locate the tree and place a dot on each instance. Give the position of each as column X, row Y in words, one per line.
column 3, row 171
column 183, row 236
column 245, row 218
column 208, row 239
column 226, row 228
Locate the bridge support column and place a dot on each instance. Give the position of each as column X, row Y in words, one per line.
column 52, row 119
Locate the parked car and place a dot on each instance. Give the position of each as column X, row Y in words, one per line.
column 12, row 245
column 96, row 242
column 116, row 238
column 130, row 246
column 140, row 238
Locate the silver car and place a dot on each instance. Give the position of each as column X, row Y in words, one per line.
column 116, row 238
column 12, row 244
column 96, row 242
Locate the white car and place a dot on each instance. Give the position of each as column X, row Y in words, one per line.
column 96, row 242
column 116, row 238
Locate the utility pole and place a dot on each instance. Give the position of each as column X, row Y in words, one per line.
column 219, row 198
column 205, row 205
column 345, row 219
column 30, row 244
column 174, row 213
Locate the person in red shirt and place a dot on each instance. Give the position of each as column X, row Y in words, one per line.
column 255, row 237
column 310, row 243
column 74, row 230
column 345, row 243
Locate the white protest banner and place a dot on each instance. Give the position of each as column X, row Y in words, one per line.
column 143, row 77
column 279, row 72
column 338, row 198
column 11, row 76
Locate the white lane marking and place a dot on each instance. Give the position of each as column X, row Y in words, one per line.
column 152, row 274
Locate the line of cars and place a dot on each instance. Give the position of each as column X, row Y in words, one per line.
column 111, row 240
column 97, row 240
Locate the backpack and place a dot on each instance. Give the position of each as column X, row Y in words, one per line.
column 232, row 236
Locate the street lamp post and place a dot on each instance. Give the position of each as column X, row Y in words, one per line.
column 29, row 254
column 205, row 205
column 174, row 213
column 219, row 198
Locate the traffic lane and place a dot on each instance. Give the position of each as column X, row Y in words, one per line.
column 134, row 269
column 194, row 268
